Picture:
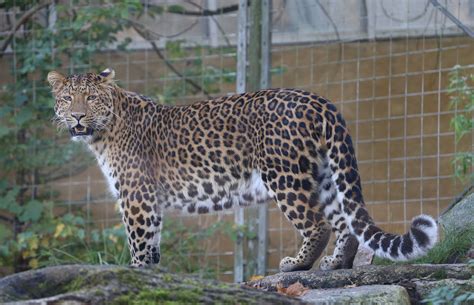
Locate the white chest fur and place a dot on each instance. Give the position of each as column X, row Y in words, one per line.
column 108, row 173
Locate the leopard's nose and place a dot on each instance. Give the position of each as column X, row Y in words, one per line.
column 78, row 115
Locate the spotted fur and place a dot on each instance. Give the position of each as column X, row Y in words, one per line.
column 283, row 144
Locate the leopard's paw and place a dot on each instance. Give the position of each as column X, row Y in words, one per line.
column 329, row 263
column 289, row 264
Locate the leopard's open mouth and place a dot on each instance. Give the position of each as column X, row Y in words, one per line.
column 80, row 130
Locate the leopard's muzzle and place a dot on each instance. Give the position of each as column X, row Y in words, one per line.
column 80, row 130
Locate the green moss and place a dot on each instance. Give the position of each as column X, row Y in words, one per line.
column 167, row 278
column 440, row 274
column 162, row 296
column 223, row 286
column 190, row 281
column 93, row 279
column 130, row 278
column 76, row 284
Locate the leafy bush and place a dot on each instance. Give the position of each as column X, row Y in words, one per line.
column 461, row 92
column 53, row 35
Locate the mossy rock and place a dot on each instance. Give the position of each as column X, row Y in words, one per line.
column 460, row 216
column 86, row 284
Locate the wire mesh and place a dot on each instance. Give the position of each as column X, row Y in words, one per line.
column 384, row 63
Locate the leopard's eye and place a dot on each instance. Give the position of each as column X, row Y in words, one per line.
column 67, row 98
column 91, row 97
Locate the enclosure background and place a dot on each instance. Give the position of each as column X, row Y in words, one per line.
column 385, row 65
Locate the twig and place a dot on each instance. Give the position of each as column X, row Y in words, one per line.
column 5, row 218
column 333, row 24
column 412, row 19
column 56, row 174
column 158, row 35
column 215, row 21
column 205, row 12
column 20, row 22
column 144, row 33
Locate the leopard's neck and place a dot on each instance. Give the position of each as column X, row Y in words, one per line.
column 105, row 141
column 110, row 145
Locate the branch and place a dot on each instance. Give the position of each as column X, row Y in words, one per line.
column 61, row 173
column 205, row 12
column 145, row 34
column 7, row 219
column 221, row 29
column 20, row 22
column 158, row 35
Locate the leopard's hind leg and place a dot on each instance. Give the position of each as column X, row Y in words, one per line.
column 346, row 244
column 297, row 196
column 344, row 253
column 315, row 240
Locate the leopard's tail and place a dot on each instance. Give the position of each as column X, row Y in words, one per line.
column 416, row 242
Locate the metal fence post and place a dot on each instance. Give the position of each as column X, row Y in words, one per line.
column 241, row 77
column 265, row 82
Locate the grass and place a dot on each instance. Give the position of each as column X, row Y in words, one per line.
column 452, row 248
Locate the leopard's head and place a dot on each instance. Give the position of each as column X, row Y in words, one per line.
column 84, row 102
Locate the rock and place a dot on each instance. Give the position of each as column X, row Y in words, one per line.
column 364, row 256
column 86, row 284
column 402, row 275
column 374, row 294
column 424, row 287
column 365, row 275
column 459, row 216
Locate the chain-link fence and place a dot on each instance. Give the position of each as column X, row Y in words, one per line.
column 385, row 64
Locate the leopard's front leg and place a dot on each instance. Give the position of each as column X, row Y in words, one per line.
column 142, row 218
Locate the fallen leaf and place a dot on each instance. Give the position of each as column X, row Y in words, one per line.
column 294, row 290
column 256, row 278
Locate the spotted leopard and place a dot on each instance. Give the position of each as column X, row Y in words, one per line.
column 288, row 145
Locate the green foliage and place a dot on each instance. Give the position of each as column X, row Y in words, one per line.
column 205, row 75
column 461, row 93
column 29, row 154
column 109, row 246
column 180, row 242
column 104, row 247
column 43, row 234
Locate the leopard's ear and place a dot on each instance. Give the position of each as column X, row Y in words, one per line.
column 56, row 80
column 107, row 75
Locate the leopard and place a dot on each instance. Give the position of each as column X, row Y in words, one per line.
column 289, row 146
